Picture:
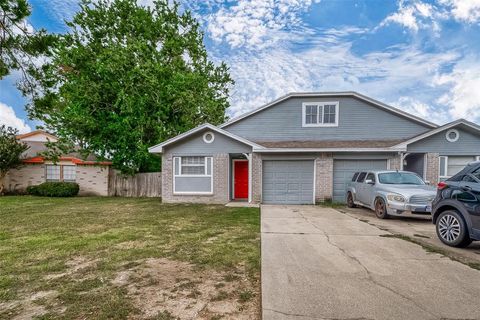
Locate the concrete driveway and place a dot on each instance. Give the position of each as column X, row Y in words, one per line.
column 319, row 263
column 419, row 228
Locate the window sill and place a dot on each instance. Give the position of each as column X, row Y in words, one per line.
column 193, row 193
column 320, row 125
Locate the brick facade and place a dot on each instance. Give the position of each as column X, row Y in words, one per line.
column 93, row 180
column 17, row 180
column 256, row 178
column 432, row 168
column 220, row 182
column 324, row 177
column 395, row 163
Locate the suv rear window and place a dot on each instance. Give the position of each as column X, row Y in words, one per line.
column 355, row 177
column 361, row 177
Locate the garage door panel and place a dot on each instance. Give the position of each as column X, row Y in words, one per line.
column 343, row 171
column 289, row 182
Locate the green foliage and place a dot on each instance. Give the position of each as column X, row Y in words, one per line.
column 18, row 44
column 126, row 77
column 10, row 152
column 54, row 189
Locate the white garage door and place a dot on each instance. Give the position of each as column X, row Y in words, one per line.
column 288, row 182
column 343, row 171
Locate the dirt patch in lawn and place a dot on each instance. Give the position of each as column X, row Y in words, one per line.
column 166, row 289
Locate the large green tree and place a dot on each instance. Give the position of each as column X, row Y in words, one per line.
column 19, row 43
column 126, row 77
column 10, row 152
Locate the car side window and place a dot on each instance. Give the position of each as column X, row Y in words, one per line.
column 468, row 178
column 476, row 174
column 463, row 196
column 370, row 176
column 361, row 177
column 355, row 176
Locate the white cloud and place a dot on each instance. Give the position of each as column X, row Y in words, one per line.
column 330, row 64
column 416, row 15
column 432, row 113
column 254, row 23
column 464, row 10
column 10, row 119
column 463, row 83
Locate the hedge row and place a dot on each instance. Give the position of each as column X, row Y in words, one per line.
column 54, row 189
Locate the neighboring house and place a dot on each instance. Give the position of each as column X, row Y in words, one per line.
column 304, row 148
column 90, row 174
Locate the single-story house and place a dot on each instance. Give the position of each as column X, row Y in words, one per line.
column 303, row 148
column 90, row 174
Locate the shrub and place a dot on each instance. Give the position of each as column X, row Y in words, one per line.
column 54, row 189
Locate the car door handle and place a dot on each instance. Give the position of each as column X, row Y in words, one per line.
column 467, row 188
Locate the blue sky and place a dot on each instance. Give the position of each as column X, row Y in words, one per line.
column 420, row 56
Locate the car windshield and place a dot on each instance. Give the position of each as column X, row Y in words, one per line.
column 400, row 178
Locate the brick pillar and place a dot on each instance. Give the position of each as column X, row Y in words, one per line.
column 324, row 177
column 432, row 168
column 256, row 178
column 395, row 162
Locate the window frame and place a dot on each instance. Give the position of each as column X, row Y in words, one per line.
column 61, row 173
column 320, row 114
column 446, row 176
column 205, row 164
column 180, row 175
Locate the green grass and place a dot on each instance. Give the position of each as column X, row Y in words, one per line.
column 40, row 236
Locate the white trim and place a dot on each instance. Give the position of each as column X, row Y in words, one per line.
column 205, row 137
column 233, row 179
column 273, row 150
column 250, row 177
column 437, row 130
column 315, row 181
column 320, row 115
column 332, row 94
column 445, row 168
column 180, row 175
column 457, row 135
column 425, row 164
column 159, row 147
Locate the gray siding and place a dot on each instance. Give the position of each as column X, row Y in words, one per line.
column 194, row 145
column 357, row 120
column 467, row 144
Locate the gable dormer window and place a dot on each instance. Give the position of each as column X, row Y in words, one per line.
column 320, row 114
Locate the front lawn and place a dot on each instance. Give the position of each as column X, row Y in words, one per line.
column 104, row 258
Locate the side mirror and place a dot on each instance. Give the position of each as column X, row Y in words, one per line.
column 368, row 181
column 427, row 182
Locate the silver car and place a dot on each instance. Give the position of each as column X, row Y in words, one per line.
column 390, row 193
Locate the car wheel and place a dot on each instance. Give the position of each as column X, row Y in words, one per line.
column 452, row 229
column 350, row 202
column 381, row 209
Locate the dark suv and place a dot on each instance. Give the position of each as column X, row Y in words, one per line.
column 456, row 208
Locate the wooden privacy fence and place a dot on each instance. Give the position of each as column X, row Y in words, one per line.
column 139, row 185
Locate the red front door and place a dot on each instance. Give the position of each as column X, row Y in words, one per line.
column 240, row 183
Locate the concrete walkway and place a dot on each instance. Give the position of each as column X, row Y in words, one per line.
column 318, row 263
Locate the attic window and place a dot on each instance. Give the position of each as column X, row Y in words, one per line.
column 320, row 114
column 452, row 135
